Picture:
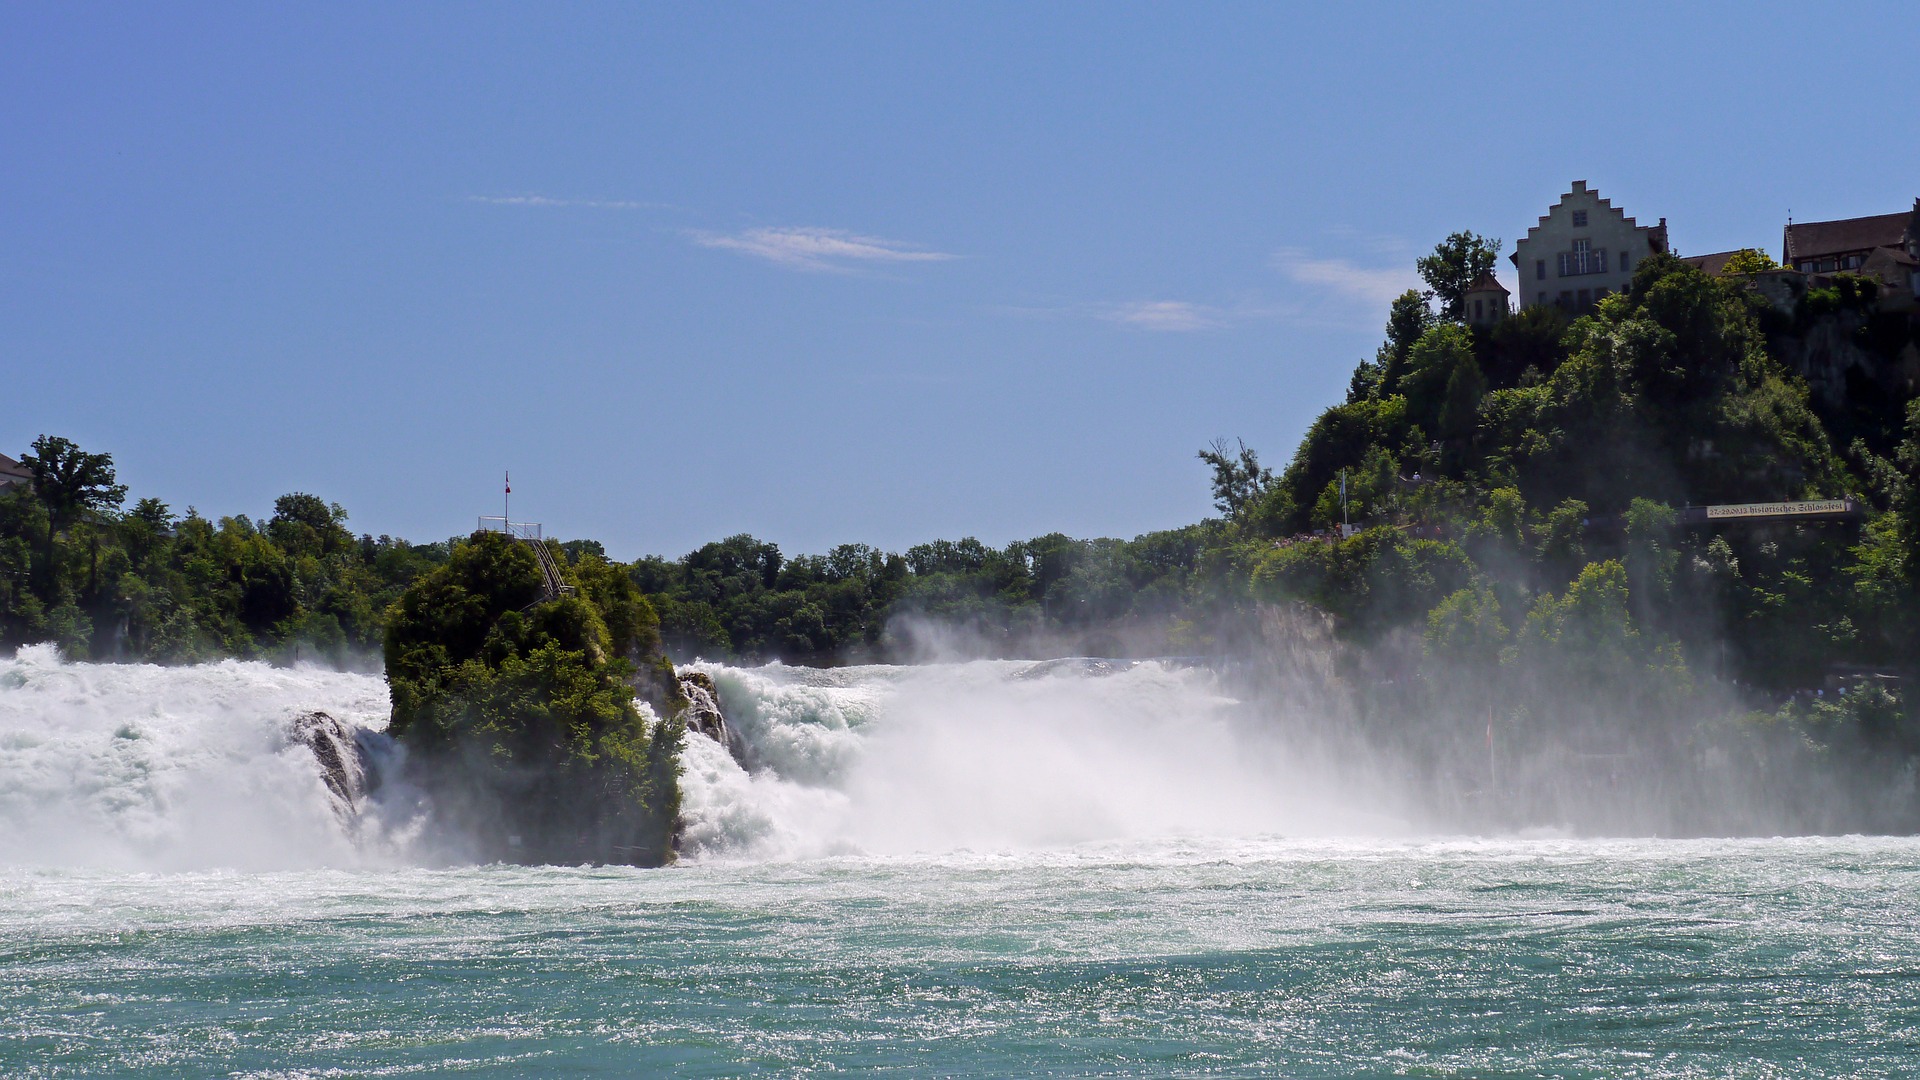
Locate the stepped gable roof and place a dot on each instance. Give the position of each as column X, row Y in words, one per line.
column 1606, row 207
column 1710, row 264
column 1812, row 239
column 1486, row 282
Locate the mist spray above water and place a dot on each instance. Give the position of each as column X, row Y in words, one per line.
column 135, row 766
column 996, row 755
column 146, row 767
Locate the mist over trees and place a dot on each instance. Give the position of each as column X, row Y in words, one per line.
column 519, row 706
column 1523, row 588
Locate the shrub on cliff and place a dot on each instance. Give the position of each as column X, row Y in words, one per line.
column 521, row 709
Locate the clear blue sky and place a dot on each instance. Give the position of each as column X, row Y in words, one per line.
column 828, row 273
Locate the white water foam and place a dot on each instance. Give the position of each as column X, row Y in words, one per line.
column 140, row 767
column 992, row 755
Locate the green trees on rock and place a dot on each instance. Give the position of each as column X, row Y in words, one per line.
column 1518, row 490
column 1238, row 479
column 521, row 710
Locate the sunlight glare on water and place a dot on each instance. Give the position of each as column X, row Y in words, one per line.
column 1008, row 915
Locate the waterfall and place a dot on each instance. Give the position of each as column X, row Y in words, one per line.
column 998, row 755
column 704, row 716
column 245, row 765
column 137, row 766
column 349, row 759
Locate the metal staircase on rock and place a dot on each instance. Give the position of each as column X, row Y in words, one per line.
column 552, row 585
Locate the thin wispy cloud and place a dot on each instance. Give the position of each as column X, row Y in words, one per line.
column 818, row 249
column 548, row 200
column 1364, row 284
column 1165, row 316
column 1385, row 244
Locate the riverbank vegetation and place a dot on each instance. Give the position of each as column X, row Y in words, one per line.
column 108, row 581
column 1522, row 560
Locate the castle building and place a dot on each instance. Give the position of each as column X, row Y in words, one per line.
column 1486, row 300
column 1583, row 249
column 1885, row 247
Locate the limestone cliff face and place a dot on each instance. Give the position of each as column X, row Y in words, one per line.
column 1848, row 346
column 1847, row 355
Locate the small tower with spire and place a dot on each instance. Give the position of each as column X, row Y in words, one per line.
column 1486, row 300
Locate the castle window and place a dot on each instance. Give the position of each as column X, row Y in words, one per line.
column 1579, row 219
column 1583, row 259
column 1476, row 311
column 1540, row 269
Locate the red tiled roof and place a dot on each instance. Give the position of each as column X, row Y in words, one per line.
column 1812, row 239
column 1710, row 264
column 1488, row 283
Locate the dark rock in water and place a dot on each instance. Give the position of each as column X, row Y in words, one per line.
column 704, row 715
column 343, row 762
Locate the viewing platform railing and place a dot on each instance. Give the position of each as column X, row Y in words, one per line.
column 552, row 584
column 519, row 530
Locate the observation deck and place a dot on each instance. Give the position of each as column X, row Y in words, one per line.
column 553, row 586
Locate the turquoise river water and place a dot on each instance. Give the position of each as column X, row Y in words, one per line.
column 878, row 895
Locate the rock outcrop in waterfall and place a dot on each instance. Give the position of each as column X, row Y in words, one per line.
column 518, row 707
column 704, row 715
column 345, row 767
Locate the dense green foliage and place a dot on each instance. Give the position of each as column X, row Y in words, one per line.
column 740, row 597
column 1524, row 578
column 1531, row 457
column 522, row 707
column 110, row 583
column 1523, row 569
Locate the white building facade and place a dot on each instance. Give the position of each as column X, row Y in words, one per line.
column 1583, row 249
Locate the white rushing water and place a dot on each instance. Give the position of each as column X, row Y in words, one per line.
column 982, row 869
column 994, row 755
column 153, row 768
column 140, row 767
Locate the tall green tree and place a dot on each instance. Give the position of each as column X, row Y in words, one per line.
column 69, row 481
column 1408, row 318
column 1238, row 479
column 1453, row 266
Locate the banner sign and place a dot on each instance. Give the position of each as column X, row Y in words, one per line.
column 1779, row 509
